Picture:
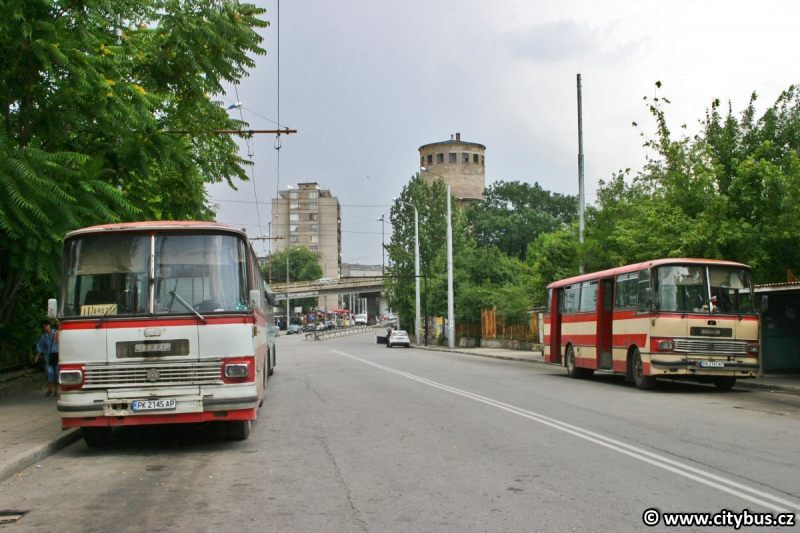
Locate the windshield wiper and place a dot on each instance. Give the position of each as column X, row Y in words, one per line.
column 110, row 307
column 187, row 306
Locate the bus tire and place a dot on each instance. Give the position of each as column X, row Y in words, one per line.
column 642, row 382
column 724, row 383
column 238, row 429
column 572, row 368
column 96, row 437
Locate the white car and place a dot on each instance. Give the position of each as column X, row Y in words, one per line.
column 360, row 319
column 398, row 337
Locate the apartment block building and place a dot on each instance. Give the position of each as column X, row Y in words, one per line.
column 311, row 217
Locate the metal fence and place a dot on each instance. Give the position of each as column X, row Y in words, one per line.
column 11, row 360
column 341, row 332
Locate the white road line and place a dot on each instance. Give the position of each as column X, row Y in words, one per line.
column 709, row 479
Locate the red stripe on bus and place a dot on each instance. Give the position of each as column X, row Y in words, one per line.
column 580, row 340
column 586, row 362
column 629, row 339
column 585, row 317
column 175, row 418
column 155, row 322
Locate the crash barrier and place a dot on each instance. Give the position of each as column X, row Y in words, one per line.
column 340, row 332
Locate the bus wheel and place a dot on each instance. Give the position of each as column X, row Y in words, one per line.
column 724, row 382
column 642, row 382
column 96, row 437
column 572, row 368
column 238, row 429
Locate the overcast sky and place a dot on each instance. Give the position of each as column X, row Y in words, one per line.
column 366, row 83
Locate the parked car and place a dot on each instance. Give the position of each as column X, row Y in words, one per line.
column 293, row 329
column 398, row 337
column 320, row 326
column 308, row 327
column 360, row 320
column 330, row 324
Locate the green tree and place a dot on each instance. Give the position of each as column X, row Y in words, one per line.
column 88, row 94
column 303, row 266
column 514, row 214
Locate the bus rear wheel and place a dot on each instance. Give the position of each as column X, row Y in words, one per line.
column 96, row 437
column 238, row 429
column 642, row 382
column 572, row 368
column 724, row 383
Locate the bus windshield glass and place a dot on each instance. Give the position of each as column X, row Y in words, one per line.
column 703, row 289
column 110, row 274
column 208, row 272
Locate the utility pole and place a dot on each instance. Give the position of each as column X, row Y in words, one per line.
column 287, row 290
column 581, row 194
column 451, row 321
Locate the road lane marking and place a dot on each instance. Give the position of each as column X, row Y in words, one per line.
column 696, row 474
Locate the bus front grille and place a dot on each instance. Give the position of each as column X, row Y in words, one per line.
column 710, row 347
column 153, row 375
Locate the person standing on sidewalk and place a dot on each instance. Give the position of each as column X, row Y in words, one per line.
column 48, row 346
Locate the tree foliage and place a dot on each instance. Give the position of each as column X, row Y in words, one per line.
column 89, row 92
column 303, row 266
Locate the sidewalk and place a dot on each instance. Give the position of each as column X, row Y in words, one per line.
column 30, row 430
column 789, row 383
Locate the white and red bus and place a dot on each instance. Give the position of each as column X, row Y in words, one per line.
column 162, row 323
column 669, row 318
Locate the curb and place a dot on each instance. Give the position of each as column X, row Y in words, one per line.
column 11, row 467
column 744, row 383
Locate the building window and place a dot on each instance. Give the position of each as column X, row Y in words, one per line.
column 293, row 195
column 482, row 159
column 440, row 158
column 430, row 159
column 294, row 216
column 294, row 205
column 313, row 238
column 294, row 228
column 453, row 157
column 313, row 248
column 312, row 216
column 313, row 205
column 465, row 157
column 293, row 238
column 475, row 158
column 422, row 160
column 314, row 227
column 313, row 195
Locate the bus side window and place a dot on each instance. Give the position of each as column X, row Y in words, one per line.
column 627, row 287
column 571, row 298
column 644, row 283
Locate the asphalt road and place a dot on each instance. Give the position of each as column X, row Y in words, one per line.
column 357, row 437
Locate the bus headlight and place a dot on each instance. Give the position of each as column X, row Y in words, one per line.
column 752, row 349
column 70, row 377
column 666, row 345
column 236, row 371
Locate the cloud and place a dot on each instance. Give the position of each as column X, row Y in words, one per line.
column 565, row 40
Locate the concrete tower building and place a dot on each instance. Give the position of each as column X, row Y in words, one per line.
column 460, row 163
column 311, row 217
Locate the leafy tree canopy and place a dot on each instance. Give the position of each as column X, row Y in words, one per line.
column 303, row 265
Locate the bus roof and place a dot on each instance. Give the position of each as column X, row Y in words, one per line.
column 157, row 225
column 612, row 272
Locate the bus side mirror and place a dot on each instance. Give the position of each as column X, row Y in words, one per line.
column 648, row 297
column 52, row 308
column 255, row 299
column 764, row 303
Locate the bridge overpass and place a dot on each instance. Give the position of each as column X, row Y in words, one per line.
column 364, row 287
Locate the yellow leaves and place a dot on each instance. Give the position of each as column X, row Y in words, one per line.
column 110, row 83
column 140, row 89
column 140, row 55
column 142, row 26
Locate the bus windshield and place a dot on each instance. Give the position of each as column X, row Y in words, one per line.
column 110, row 274
column 703, row 289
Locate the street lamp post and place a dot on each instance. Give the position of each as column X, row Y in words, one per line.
column 416, row 265
column 269, row 234
column 451, row 320
column 383, row 248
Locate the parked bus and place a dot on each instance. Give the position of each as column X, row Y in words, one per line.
column 671, row 318
column 162, row 323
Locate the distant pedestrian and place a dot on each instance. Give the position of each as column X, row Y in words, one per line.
column 48, row 346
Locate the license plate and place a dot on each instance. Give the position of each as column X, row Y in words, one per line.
column 163, row 347
column 712, row 364
column 154, row 405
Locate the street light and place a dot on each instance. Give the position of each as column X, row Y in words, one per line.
column 269, row 232
column 416, row 263
column 451, row 321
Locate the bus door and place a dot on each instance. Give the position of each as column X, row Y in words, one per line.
column 555, row 326
column 605, row 323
